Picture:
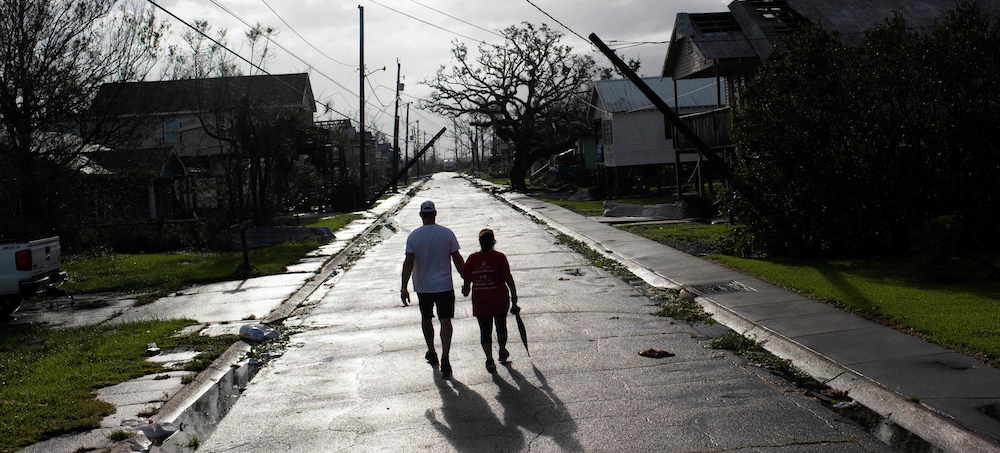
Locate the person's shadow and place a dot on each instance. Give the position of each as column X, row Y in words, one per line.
column 536, row 409
column 469, row 422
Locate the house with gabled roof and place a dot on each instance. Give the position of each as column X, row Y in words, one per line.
column 631, row 137
column 729, row 46
column 183, row 120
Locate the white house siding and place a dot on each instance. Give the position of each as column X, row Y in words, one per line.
column 642, row 134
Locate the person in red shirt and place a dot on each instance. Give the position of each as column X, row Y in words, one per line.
column 487, row 273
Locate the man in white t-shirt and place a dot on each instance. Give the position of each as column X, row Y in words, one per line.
column 429, row 249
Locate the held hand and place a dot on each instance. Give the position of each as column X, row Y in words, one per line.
column 515, row 309
column 404, row 295
column 465, row 291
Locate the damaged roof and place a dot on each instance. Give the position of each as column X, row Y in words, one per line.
column 620, row 95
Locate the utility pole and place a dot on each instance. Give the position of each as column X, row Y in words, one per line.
column 416, row 139
column 395, row 131
column 406, row 176
column 364, row 188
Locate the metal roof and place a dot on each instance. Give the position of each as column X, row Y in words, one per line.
column 714, row 42
column 620, row 95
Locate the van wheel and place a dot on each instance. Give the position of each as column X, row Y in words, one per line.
column 8, row 305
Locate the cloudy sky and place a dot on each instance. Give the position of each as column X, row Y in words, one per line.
column 323, row 35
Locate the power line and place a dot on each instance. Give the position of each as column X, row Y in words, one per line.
column 262, row 70
column 557, row 21
column 302, row 37
column 348, row 90
column 432, row 25
column 460, row 20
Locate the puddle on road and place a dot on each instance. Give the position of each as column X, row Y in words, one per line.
column 885, row 430
column 201, row 418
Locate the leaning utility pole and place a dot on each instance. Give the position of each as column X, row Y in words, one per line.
column 395, row 131
column 364, row 188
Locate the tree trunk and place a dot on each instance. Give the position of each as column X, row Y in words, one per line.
column 518, row 170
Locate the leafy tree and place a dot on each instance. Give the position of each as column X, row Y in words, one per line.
column 846, row 151
column 524, row 90
column 54, row 55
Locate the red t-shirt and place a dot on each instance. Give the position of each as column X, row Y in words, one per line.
column 488, row 272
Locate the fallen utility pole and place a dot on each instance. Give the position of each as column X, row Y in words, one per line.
column 675, row 120
column 416, row 158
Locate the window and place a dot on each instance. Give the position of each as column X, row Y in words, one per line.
column 608, row 137
column 172, row 131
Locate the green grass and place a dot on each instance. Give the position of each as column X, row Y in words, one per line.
column 173, row 271
column 503, row 180
column 964, row 316
column 167, row 272
column 335, row 222
column 681, row 232
column 49, row 376
column 595, row 208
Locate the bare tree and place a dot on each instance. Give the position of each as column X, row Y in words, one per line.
column 54, row 55
column 258, row 137
column 527, row 91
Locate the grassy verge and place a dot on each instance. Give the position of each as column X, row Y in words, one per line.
column 335, row 222
column 595, row 208
column 692, row 238
column 167, row 272
column 964, row 316
column 49, row 376
column 502, row 181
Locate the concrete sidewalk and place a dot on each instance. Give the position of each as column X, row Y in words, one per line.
column 946, row 398
column 219, row 308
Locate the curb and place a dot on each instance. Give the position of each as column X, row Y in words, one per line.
column 208, row 378
column 936, row 428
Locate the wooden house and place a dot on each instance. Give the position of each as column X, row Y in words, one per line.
column 179, row 119
column 729, row 46
column 630, row 134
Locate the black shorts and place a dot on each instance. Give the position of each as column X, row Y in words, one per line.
column 445, row 302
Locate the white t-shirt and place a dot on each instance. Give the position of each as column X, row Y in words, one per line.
column 432, row 246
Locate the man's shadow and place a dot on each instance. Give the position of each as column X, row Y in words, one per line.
column 469, row 422
column 536, row 409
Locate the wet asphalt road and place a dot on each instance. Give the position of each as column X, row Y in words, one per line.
column 354, row 378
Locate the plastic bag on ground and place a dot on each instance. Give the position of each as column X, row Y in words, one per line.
column 257, row 332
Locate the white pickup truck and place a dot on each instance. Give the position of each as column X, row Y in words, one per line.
column 26, row 269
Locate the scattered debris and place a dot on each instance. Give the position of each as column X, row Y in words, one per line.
column 656, row 353
column 257, row 332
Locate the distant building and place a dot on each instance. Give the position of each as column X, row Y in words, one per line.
column 631, row 139
column 182, row 120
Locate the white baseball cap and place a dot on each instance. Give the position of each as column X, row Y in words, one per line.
column 427, row 206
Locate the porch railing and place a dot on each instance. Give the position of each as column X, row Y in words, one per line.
column 713, row 126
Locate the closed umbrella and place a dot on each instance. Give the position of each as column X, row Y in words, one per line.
column 520, row 327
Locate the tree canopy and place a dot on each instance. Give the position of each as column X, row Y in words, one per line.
column 525, row 90
column 851, row 152
column 54, row 56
